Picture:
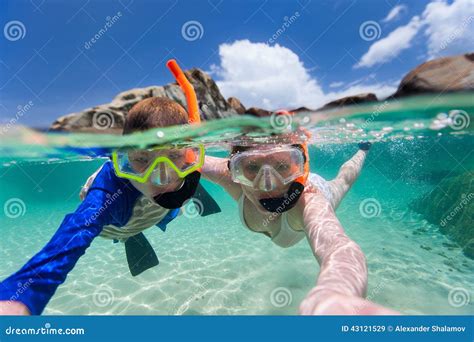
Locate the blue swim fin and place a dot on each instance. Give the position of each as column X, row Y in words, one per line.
column 140, row 254
column 204, row 199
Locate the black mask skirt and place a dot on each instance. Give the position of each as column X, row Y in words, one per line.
column 176, row 199
column 285, row 203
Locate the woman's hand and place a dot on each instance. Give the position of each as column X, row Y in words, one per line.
column 326, row 302
column 13, row 308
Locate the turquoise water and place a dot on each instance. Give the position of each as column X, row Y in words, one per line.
column 213, row 265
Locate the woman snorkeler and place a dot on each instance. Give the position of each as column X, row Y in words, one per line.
column 277, row 196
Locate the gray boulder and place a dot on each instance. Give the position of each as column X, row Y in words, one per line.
column 110, row 117
column 440, row 75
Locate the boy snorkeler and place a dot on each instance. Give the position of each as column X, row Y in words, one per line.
column 277, row 196
column 136, row 190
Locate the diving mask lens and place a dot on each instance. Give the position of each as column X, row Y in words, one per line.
column 266, row 170
column 164, row 164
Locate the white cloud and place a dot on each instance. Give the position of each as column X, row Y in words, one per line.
column 266, row 76
column 389, row 47
column 273, row 77
column 394, row 13
column 449, row 29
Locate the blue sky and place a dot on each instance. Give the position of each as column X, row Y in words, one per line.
column 322, row 52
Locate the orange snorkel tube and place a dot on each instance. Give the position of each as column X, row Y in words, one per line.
column 191, row 99
column 176, row 199
column 193, row 109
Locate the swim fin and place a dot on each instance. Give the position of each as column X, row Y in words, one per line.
column 205, row 200
column 140, row 254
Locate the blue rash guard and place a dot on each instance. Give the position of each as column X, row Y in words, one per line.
column 110, row 200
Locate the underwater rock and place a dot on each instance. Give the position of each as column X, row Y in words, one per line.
column 450, row 205
column 440, row 75
column 236, row 105
column 350, row 100
column 109, row 118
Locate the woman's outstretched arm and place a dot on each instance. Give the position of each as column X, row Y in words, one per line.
column 215, row 170
column 342, row 281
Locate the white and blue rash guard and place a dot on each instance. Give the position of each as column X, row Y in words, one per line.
column 110, row 201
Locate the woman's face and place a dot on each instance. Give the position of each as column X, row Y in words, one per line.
column 280, row 162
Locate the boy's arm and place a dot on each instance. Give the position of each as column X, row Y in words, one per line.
column 36, row 282
column 343, row 267
column 109, row 201
column 215, row 169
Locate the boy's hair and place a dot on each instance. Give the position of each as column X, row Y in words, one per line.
column 154, row 112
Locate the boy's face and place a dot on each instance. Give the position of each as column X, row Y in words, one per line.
column 151, row 190
column 140, row 160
